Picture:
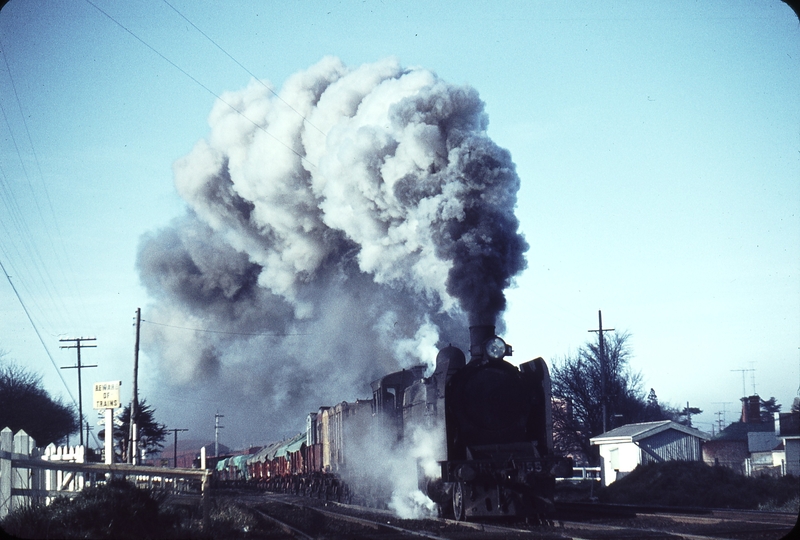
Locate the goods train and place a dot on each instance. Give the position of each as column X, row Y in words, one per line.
column 490, row 421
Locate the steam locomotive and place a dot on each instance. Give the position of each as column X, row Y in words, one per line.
column 490, row 422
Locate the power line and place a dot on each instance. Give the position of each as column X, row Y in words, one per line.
column 35, row 329
column 21, row 225
column 243, row 67
column 206, row 88
column 57, row 252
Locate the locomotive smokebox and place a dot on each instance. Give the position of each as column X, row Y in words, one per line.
column 478, row 336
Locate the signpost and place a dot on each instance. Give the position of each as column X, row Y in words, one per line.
column 106, row 397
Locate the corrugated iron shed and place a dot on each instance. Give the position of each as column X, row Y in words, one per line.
column 637, row 432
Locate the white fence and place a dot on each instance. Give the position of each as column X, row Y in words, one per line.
column 30, row 475
column 582, row 473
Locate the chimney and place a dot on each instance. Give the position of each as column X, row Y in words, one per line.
column 478, row 335
column 751, row 410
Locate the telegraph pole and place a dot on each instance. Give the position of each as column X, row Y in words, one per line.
column 133, row 435
column 175, row 446
column 217, row 427
column 88, row 429
column 79, row 367
column 721, row 415
column 603, row 375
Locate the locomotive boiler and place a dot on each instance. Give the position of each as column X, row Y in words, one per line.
column 496, row 422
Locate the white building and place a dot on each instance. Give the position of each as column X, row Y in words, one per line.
column 787, row 429
column 625, row 447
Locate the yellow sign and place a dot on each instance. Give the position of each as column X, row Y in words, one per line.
column 106, row 395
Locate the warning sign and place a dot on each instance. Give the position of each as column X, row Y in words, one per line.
column 106, row 395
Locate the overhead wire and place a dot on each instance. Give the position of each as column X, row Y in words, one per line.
column 18, row 217
column 23, row 236
column 243, row 67
column 206, row 88
column 30, row 139
column 35, row 329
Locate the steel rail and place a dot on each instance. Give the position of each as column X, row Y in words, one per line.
column 377, row 524
column 285, row 527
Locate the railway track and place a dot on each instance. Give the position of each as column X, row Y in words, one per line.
column 306, row 523
column 627, row 521
column 303, row 518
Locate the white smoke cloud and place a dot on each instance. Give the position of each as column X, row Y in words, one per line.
column 336, row 233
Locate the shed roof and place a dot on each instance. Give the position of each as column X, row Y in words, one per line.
column 637, row 432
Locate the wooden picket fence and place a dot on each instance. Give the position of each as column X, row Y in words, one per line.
column 30, row 475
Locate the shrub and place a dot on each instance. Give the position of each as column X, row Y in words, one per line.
column 115, row 510
column 682, row 483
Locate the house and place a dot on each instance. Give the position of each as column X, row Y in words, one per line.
column 732, row 447
column 788, row 431
column 752, row 446
column 625, row 447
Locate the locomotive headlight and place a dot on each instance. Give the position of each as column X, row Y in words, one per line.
column 495, row 348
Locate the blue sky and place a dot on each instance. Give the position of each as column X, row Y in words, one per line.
column 656, row 143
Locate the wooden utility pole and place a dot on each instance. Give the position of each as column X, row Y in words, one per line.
column 88, row 429
column 721, row 415
column 603, row 369
column 133, row 435
column 217, row 427
column 175, row 446
column 78, row 345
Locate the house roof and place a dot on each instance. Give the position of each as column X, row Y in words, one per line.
column 637, row 432
column 737, row 431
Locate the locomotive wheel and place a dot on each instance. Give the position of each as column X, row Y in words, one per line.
column 458, row 501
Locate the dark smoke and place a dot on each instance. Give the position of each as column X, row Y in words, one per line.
column 324, row 250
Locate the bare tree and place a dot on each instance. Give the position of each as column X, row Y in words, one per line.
column 578, row 392
column 25, row 404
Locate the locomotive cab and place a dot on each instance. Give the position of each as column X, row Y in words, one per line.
column 387, row 397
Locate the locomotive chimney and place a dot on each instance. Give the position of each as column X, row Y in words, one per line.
column 478, row 335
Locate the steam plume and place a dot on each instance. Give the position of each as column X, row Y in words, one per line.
column 333, row 235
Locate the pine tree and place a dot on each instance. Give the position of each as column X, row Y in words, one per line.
column 151, row 434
